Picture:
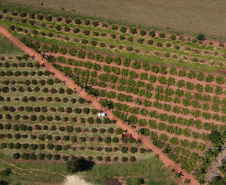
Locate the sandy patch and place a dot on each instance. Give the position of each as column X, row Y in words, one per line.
column 75, row 180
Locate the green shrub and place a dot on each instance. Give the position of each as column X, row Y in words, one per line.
column 59, row 19
column 87, row 22
column 173, row 37
column 143, row 32
column 76, row 30
column 133, row 30
column 140, row 40
column 123, row 29
column 150, row 42
column 78, row 21
column 49, row 18
column 161, row 35
column 95, row 23
column 152, row 34
column 86, row 32
column 159, row 44
column 114, row 27
column 200, row 36
column 177, row 47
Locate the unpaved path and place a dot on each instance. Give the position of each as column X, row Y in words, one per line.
column 30, row 170
column 70, row 84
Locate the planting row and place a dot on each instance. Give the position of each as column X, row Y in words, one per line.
column 10, row 73
column 46, row 109
column 157, row 96
column 6, row 89
column 41, row 118
column 56, row 157
column 176, row 109
column 188, row 160
column 194, row 57
column 13, row 64
column 110, row 43
column 125, row 63
column 161, row 139
column 167, row 107
column 105, row 77
column 70, row 129
column 48, row 18
column 135, row 84
column 172, row 119
column 27, row 82
column 57, row 147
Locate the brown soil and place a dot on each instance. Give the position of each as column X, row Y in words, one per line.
column 222, row 71
column 146, row 141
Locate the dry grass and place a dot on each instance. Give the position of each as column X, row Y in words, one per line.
column 188, row 15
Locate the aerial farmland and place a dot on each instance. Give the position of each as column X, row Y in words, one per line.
column 95, row 98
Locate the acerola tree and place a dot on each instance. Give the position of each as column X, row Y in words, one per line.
column 73, row 166
column 215, row 137
column 201, row 36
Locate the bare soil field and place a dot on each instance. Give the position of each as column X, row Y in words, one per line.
column 73, row 179
column 189, row 15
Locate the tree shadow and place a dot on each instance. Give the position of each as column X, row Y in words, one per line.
column 85, row 165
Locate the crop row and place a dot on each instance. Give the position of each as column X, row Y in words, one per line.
column 25, row 99
column 133, row 83
column 50, row 118
column 24, row 73
column 176, row 109
column 172, row 119
column 27, row 82
column 136, row 87
column 70, row 129
column 86, row 32
column 58, row 147
column 165, row 106
column 121, row 75
column 126, row 63
column 105, row 77
column 187, row 159
column 6, row 89
column 163, row 138
column 56, row 157
column 132, row 47
column 158, row 51
column 186, row 102
column 78, row 21
column 13, row 64
column 45, row 109
column 107, row 136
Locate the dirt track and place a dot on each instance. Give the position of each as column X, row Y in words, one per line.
column 70, row 84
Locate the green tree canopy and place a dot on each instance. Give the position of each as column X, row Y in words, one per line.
column 215, row 137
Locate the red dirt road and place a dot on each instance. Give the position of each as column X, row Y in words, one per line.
column 70, row 84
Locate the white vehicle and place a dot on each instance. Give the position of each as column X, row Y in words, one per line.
column 101, row 114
